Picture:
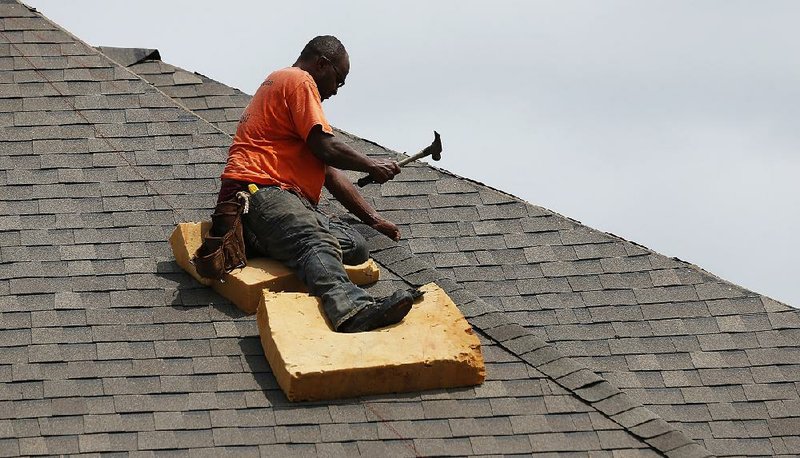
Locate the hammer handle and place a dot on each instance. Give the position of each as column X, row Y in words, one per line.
column 365, row 180
column 413, row 158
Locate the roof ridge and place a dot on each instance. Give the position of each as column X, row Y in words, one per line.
column 575, row 378
column 128, row 56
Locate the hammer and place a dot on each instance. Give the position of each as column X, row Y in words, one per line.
column 433, row 150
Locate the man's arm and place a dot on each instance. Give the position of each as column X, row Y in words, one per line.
column 340, row 187
column 337, row 154
column 333, row 152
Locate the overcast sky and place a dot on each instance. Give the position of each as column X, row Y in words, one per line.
column 670, row 123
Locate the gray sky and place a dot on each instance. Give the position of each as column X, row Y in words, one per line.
column 670, row 123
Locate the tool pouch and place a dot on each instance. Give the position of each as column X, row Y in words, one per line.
column 223, row 248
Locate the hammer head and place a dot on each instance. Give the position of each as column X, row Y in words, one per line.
column 436, row 146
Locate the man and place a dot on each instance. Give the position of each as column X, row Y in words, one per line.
column 285, row 146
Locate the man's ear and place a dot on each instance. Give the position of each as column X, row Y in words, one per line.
column 321, row 62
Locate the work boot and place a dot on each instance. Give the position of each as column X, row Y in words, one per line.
column 383, row 312
column 415, row 293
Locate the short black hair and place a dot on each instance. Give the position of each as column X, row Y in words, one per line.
column 323, row 45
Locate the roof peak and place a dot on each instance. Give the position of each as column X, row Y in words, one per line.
column 129, row 56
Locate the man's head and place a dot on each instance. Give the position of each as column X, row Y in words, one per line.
column 326, row 60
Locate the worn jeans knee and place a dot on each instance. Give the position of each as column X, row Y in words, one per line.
column 353, row 244
column 287, row 229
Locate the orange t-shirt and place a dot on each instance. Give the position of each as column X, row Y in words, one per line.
column 269, row 147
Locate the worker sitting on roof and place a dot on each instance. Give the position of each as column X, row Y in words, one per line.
column 285, row 146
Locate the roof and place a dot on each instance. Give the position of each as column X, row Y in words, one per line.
column 592, row 343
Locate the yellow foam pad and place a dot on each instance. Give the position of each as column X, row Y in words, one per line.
column 433, row 347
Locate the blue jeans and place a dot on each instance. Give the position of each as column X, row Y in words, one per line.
column 287, row 228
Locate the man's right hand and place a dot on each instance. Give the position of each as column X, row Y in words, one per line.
column 383, row 170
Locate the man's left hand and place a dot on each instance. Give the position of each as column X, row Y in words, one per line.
column 387, row 228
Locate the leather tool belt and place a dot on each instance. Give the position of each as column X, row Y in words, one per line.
column 223, row 248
